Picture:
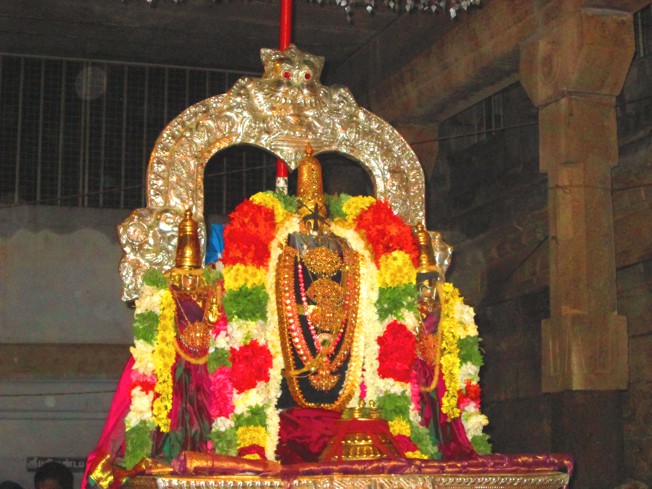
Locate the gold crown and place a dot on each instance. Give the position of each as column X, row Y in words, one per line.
column 310, row 188
column 188, row 248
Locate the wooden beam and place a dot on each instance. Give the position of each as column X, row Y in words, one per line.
column 477, row 55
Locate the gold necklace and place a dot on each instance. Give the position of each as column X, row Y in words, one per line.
column 193, row 341
column 320, row 367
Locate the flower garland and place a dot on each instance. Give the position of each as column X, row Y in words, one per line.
column 391, row 348
column 164, row 358
column 240, row 363
column 460, row 363
column 245, row 359
column 151, row 375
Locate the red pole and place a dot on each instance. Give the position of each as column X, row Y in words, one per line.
column 286, row 24
column 284, row 41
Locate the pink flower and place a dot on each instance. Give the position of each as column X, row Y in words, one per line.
column 415, row 389
column 222, row 393
column 220, row 325
column 145, row 382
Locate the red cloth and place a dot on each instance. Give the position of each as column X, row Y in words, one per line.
column 455, row 445
column 304, row 434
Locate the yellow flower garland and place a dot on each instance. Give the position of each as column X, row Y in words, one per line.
column 164, row 357
column 239, row 275
column 416, row 454
column 251, row 435
column 398, row 426
column 395, row 269
column 271, row 202
column 355, row 205
column 450, row 359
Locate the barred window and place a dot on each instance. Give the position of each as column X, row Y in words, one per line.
column 477, row 123
column 643, row 31
column 79, row 132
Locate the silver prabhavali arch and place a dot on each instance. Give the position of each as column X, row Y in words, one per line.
column 280, row 112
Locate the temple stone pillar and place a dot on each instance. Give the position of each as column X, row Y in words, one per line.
column 573, row 71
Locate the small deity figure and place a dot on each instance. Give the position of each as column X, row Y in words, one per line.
column 194, row 310
column 434, row 259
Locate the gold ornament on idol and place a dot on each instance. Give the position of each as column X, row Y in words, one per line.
column 319, row 346
column 187, row 273
column 187, row 280
column 330, row 340
column 310, row 192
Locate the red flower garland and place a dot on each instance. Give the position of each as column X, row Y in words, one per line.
column 397, row 352
column 250, row 364
column 386, row 232
column 244, row 246
column 471, row 394
column 248, row 234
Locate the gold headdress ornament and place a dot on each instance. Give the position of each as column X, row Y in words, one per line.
column 428, row 272
column 426, row 254
column 187, row 272
column 310, row 191
column 188, row 249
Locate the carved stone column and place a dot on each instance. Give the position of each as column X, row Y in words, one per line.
column 572, row 70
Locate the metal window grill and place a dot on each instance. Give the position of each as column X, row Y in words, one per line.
column 477, row 123
column 79, row 133
column 643, row 31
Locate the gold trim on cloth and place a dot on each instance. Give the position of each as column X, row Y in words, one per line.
column 103, row 473
column 534, row 480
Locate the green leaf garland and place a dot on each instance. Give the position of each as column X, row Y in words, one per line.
column 254, row 416
column 155, row 278
column 481, row 444
column 394, row 406
column 289, row 202
column 218, row 358
column 470, row 350
column 421, row 438
column 225, row 442
column 335, row 204
column 138, row 443
column 146, row 326
column 246, row 303
column 392, row 301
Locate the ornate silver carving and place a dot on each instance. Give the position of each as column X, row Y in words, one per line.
column 149, row 239
column 280, row 112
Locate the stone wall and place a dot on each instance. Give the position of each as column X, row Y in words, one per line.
column 63, row 333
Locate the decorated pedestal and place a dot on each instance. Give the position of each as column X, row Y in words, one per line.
column 489, row 472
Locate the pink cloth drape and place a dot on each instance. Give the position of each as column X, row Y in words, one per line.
column 112, row 438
